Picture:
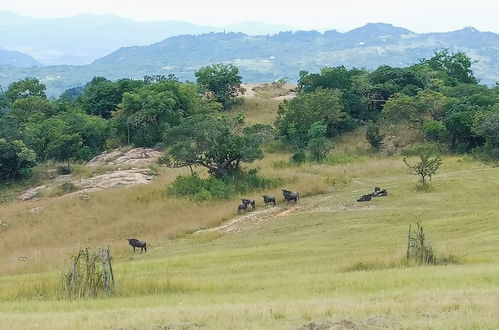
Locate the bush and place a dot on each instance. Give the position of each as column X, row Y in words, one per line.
column 374, row 135
column 213, row 188
column 298, row 157
column 16, row 160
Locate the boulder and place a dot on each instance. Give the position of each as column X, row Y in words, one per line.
column 32, row 193
column 137, row 157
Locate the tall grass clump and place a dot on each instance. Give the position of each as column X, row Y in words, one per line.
column 83, row 278
column 420, row 250
column 214, row 188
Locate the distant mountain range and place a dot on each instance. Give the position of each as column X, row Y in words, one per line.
column 270, row 57
column 81, row 39
column 14, row 58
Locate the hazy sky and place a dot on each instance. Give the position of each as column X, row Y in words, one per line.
column 419, row 16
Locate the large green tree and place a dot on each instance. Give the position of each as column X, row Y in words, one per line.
column 296, row 117
column 25, row 88
column 218, row 143
column 221, row 82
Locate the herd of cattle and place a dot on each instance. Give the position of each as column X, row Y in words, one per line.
column 250, row 205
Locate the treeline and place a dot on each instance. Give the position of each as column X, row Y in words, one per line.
column 84, row 121
column 438, row 100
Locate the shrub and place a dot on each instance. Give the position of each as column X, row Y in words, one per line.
column 374, row 135
column 298, row 157
column 84, row 277
column 427, row 165
column 16, row 160
column 214, row 188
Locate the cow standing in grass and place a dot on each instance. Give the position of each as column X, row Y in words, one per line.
column 268, row 199
column 135, row 243
column 250, row 202
column 290, row 196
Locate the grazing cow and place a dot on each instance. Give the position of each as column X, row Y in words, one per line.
column 268, row 199
column 365, row 198
column 242, row 207
column 290, row 196
column 135, row 243
column 249, row 202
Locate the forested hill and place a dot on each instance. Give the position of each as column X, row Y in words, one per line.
column 270, row 57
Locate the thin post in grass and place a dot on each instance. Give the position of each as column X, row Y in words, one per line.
column 110, row 265
column 409, row 241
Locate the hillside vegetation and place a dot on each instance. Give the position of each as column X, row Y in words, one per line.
column 325, row 261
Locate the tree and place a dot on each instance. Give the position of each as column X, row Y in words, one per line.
column 427, row 165
column 64, row 148
column 100, row 97
column 146, row 113
column 318, row 145
column 24, row 108
column 16, row 160
column 217, row 143
column 221, row 82
column 25, row 88
column 490, row 129
column 296, row 117
column 456, row 67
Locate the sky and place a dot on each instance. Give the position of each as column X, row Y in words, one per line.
column 343, row 15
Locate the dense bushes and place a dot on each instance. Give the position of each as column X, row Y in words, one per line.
column 213, row 188
column 16, row 160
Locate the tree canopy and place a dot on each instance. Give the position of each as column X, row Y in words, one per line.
column 221, row 82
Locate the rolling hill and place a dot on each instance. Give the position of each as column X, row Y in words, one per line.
column 17, row 59
column 270, row 57
column 80, row 39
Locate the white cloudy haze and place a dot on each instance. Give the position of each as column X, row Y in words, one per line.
column 419, row 16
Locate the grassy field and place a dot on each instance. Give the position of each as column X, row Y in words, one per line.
column 326, row 262
column 289, row 266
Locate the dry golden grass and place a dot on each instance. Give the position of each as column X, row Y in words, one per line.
column 257, row 110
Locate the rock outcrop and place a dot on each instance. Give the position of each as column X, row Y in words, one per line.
column 137, row 157
column 133, row 160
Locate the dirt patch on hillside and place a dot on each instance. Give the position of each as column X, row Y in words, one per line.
column 250, row 219
column 374, row 322
column 275, row 91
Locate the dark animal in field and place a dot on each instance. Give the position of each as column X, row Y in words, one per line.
column 135, row 243
column 249, row 202
column 365, row 198
column 380, row 193
column 376, row 189
column 268, row 199
column 290, row 196
column 242, row 207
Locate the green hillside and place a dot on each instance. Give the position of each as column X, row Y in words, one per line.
column 327, row 261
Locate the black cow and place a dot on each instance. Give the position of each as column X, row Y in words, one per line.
column 135, row 243
column 242, row 207
column 365, row 198
column 249, row 202
column 290, row 196
column 268, row 199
